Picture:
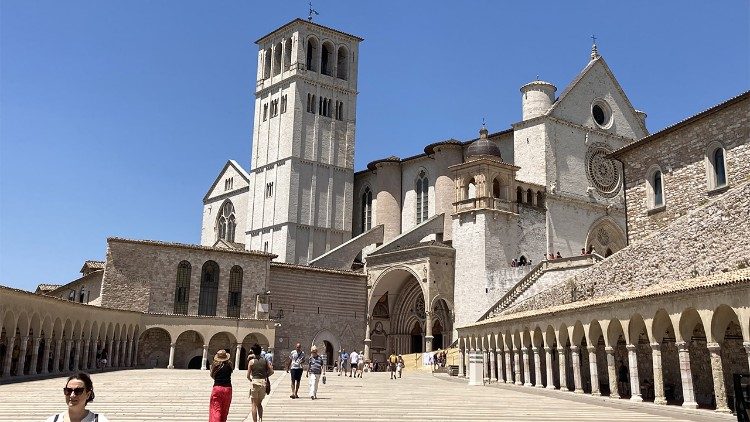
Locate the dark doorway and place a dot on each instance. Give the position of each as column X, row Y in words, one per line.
column 195, row 363
column 242, row 363
column 416, row 339
column 437, row 335
column 329, row 353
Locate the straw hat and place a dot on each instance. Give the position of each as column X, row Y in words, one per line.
column 314, row 348
column 221, row 356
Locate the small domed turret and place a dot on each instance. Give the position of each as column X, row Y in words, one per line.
column 483, row 146
column 538, row 97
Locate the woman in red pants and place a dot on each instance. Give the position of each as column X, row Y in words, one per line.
column 221, row 394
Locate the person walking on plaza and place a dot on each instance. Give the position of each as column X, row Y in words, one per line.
column 343, row 362
column 221, row 394
column 392, row 363
column 258, row 371
column 361, row 364
column 354, row 361
column 400, row 365
column 296, row 359
column 315, row 370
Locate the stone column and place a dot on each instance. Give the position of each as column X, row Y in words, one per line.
column 22, row 355
column 56, row 359
column 428, row 331
column 635, row 385
column 77, row 357
column 110, row 353
column 171, row 356
column 517, row 363
column 120, row 352
column 204, row 362
column 493, row 367
column 367, row 340
column 34, row 355
column 526, row 370
column 238, row 352
column 686, row 376
column 548, row 367
column 563, row 369
column 461, row 361
column 126, row 362
column 594, row 371
column 135, row 353
column 508, row 373
column 45, row 355
column 68, row 350
column 8, row 356
column 612, row 372
column 576, row 369
column 658, row 377
column 537, row 368
column 86, row 353
column 718, row 374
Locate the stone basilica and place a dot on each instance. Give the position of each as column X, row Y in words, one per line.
column 452, row 247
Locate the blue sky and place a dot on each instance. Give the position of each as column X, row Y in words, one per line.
column 115, row 117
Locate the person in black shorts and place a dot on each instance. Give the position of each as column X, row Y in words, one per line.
column 296, row 359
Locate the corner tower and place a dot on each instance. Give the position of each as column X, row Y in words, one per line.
column 302, row 164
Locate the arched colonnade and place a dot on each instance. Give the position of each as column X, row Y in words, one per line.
column 668, row 351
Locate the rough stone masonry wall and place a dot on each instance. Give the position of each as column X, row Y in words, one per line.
column 710, row 239
column 141, row 276
column 316, row 301
column 685, row 187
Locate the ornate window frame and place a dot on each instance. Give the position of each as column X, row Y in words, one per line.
column 652, row 205
column 712, row 183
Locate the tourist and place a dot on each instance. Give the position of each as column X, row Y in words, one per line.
column 400, row 365
column 522, row 261
column 361, row 364
column 392, row 362
column 551, row 256
column 296, row 359
column 623, row 381
column 104, row 358
column 583, row 251
column 221, row 394
column 513, row 263
column 558, row 256
column 343, row 361
column 269, row 357
column 354, row 361
column 258, row 371
column 79, row 391
column 315, row 369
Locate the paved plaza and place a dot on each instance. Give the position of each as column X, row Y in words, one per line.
column 182, row 395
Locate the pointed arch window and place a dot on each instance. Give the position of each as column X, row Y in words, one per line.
column 312, row 46
column 209, row 289
column 366, row 209
column 422, row 196
column 226, row 224
column 182, row 288
column 234, row 301
column 341, row 63
column 719, row 170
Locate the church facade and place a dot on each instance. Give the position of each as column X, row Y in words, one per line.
column 411, row 254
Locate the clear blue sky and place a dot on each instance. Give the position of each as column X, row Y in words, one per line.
column 117, row 116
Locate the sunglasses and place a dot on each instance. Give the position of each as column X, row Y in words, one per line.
column 68, row 391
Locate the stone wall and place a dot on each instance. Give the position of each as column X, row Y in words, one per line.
column 317, row 305
column 680, row 154
column 707, row 240
column 142, row 275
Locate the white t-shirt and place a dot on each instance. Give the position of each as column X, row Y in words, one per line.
column 91, row 417
column 354, row 358
column 296, row 359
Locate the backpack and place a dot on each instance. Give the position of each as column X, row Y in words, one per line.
column 393, row 359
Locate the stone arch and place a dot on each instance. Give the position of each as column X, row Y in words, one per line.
column 342, row 56
column 222, row 340
column 311, row 53
column 153, row 348
column 328, row 345
column 326, row 58
column 605, row 235
column 188, row 345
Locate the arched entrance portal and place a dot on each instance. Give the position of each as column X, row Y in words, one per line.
column 195, row 362
column 328, row 352
column 398, row 308
column 605, row 237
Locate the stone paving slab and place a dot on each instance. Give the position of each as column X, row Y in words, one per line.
column 182, row 395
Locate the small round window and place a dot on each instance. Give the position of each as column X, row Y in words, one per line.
column 601, row 113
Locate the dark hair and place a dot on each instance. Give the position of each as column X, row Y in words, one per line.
column 86, row 383
column 256, row 350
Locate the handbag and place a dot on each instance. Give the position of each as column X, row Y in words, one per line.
column 324, row 378
column 268, row 386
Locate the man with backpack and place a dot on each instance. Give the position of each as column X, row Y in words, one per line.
column 343, row 361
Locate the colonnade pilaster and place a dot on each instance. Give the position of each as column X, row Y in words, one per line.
column 658, row 377
column 718, row 375
column 526, row 370
column 548, row 365
column 34, row 355
column 517, row 366
column 22, row 356
column 204, row 361
column 563, row 368
column 593, row 371
column 508, row 368
column 45, row 355
column 635, row 389
column 461, row 362
column 493, row 368
column 537, row 368
column 575, row 357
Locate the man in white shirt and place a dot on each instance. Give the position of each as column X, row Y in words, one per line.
column 354, row 360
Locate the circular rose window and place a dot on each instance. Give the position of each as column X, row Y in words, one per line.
column 601, row 113
column 603, row 173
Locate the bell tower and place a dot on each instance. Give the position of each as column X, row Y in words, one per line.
column 302, row 164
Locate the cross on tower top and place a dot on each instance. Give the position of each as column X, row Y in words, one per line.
column 594, row 50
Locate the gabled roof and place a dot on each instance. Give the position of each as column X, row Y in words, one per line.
column 229, row 163
column 739, row 98
column 579, row 77
column 92, row 265
column 224, row 244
